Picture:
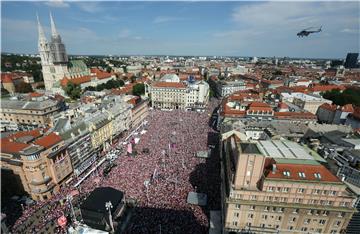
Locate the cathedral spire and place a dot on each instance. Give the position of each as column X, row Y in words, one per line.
column 42, row 38
column 54, row 33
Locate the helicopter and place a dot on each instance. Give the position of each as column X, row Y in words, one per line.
column 306, row 32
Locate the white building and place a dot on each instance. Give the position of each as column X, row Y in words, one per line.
column 169, row 93
column 305, row 101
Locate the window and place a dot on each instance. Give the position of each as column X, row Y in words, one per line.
column 285, row 190
column 301, row 175
column 237, row 206
column 333, row 232
column 278, row 218
column 296, row 211
column 236, row 214
column 324, row 192
column 281, row 209
column 310, row 212
column 317, row 176
column 304, row 229
column 337, row 223
column 266, row 208
column 264, row 217
column 248, row 224
column 270, row 189
column 252, row 207
column 307, row 221
column 253, row 197
column 290, row 228
column 332, row 193
column 286, row 173
column 318, row 230
column 341, row 214
column 276, row 226
column 316, row 191
column 262, row 225
column 250, row 216
column 301, row 190
column 234, row 223
column 293, row 219
column 322, row 221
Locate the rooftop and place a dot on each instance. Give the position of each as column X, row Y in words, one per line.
column 283, row 149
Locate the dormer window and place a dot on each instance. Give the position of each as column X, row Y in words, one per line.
column 317, row 176
column 302, row 175
column 286, row 173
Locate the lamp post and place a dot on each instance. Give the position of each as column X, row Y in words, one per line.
column 109, row 206
column 69, row 198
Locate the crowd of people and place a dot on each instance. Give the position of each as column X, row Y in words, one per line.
column 159, row 173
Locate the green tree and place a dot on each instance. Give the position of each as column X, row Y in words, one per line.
column 73, row 90
column 138, row 89
column 109, row 69
column 24, row 88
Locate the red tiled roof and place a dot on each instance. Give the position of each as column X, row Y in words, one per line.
column 283, row 105
column 324, row 88
column 328, row 107
column 348, row 108
column 12, row 147
column 6, row 78
column 48, row 140
column 78, row 80
column 35, row 94
column 259, row 106
column 294, row 115
column 309, row 170
column 162, row 84
column 9, row 145
column 100, row 74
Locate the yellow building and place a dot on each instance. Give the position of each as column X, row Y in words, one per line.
column 101, row 129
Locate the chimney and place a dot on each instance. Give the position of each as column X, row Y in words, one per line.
column 274, row 168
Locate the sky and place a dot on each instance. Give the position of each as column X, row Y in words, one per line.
column 186, row 28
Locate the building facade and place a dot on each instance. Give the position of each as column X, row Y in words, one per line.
column 276, row 186
column 34, row 163
column 178, row 95
column 30, row 113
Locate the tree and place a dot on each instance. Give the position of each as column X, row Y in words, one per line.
column 73, row 90
column 138, row 89
column 24, row 88
column 109, row 69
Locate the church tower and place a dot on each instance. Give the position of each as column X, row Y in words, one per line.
column 54, row 60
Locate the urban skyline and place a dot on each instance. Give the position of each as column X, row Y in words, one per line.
column 163, row 28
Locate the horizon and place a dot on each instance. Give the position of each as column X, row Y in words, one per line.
column 240, row 29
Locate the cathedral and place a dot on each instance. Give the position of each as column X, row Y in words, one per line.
column 56, row 66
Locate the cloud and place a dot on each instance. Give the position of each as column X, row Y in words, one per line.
column 90, row 7
column 269, row 28
column 124, row 33
column 165, row 19
column 57, row 3
column 350, row 30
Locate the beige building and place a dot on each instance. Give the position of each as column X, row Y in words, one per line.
column 101, row 129
column 305, row 101
column 139, row 110
column 170, row 93
column 34, row 163
column 35, row 112
column 279, row 187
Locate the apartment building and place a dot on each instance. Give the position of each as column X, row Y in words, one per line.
column 280, row 187
column 226, row 87
column 30, row 113
column 139, row 110
column 35, row 163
